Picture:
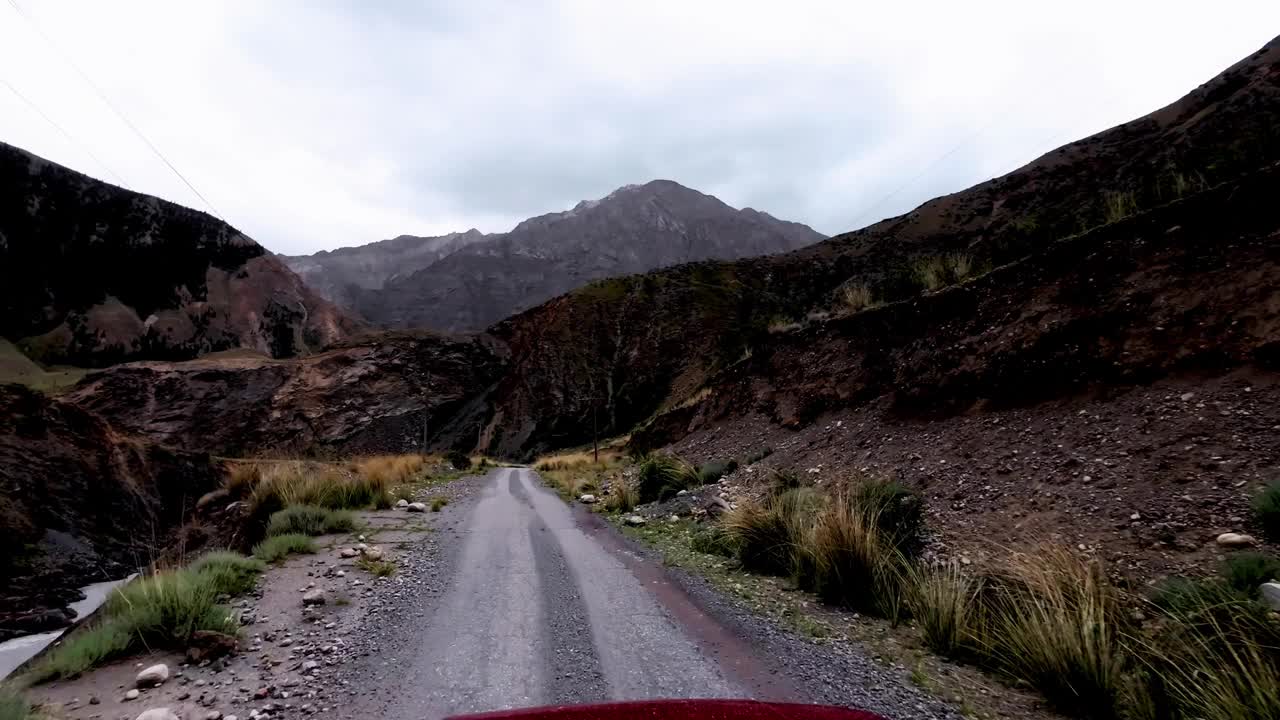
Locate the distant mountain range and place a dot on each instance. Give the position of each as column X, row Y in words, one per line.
column 469, row 281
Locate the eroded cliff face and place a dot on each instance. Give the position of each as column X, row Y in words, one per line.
column 80, row 503
column 371, row 396
column 92, row 274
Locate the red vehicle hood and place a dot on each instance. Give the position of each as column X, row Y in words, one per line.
column 680, row 710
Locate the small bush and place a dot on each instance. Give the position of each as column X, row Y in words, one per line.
column 1266, row 509
column 242, row 478
column 84, row 649
column 622, row 497
column 438, row 502
column 898, row 510
column 936, row 271
column 13, row 706
column 661, row 476
column 458, row 459
column 1119, row 205
column 299, row 483
column 388, row 470
column 231, row 573
column 1246, row 571
column 310, row 520
column 943, row 600
column 712, row 471
column 714, row 540
column 851, row 561
column 277, row 548
column 781, row 481
column 856, row 297
column 769, row 536
column 1183, row 597
column 1055, row 624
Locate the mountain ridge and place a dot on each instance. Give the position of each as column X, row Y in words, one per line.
column 634, row 228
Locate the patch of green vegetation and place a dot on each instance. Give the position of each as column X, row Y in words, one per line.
column 160, row 611
column 380, row 568
column 13, row 705
column 1266, row 509
column 1119, row 205
column 714, row 540
column 276, row 548
column 933, row 272
column 1244, row 572
column 663, row 476
column 310, row 520
column 16, row 367
column 438, row 502
column 231, row 573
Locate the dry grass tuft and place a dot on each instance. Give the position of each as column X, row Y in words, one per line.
column 944, row 601
column 856, row 297
column 387, row 470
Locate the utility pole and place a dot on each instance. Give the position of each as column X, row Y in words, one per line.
column 595, row 431
column 426, row 419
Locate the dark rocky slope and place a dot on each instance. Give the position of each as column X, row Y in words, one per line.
column 91, row 274
column 635, row 229
column 81, row 503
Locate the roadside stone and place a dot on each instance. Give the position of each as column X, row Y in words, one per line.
column 635, row 520
column 587, row 499
column 416, row 507
column 1270, row 595
column 1231, row 539
column 152, row 676
column 131, row 695
column 682, row 493
column 162, row 713
column 213, row 715
column 348, row 553
column 315, row 597
column 402, row 503
column 373, row 553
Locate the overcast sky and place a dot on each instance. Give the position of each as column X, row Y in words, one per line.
column 313, row 125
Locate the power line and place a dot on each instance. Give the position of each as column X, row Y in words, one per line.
column 107, row 101
column 83, row 148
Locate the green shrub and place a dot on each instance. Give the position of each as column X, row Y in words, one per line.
column 278, row 547
column 438, row 502
column 1246, row 571
column 231, row 573
column 936, row 271
column 899, row 512
column 856, row 297
column 661, row 476
column 13, row 706
column 380, row 568
column 1266, row 509
column 458, row 459
column 1184, row 598
column 712, row 471
column 714, row 540
column 84, row 649
column 1119, row 205
column 310, row 520
column 850, row 560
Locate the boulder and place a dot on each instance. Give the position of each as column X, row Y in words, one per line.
column 348, row 552
column 1233, row 540
column 314, row 597
column 131, row 695
column 162, row 713
column 373, row 553
column 416, row 507
column 716, row 506
column 209, row 645
column 402, row 503
column 587, row 499
column 634, row 520
column 1271, row 595
column 152, row 676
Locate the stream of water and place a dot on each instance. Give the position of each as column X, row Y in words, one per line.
column 20, row 649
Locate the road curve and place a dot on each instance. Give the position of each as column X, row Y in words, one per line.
column 538, row 612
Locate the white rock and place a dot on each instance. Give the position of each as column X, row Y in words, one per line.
column 1236, row 540
column 373, row 553
column 152, row 676
column 362, row 547
column 674, row 518
column 230, row 717
column 402, row 503
column 213, row 715
column 1271, row 595
column 310, row 665
column 315, row 597
column 634, row 520
column 131, row 695
column 163, row 713
column 682, row 493
column 348, row 552
column 587, row 498
column 417, row 507
column 361, row 538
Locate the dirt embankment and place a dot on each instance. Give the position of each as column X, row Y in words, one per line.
column 81, row 503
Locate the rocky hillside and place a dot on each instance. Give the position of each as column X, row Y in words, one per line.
column 368, row 396
column 80, row 503
column 334, row 273
column 487, row 278
column 91, row 274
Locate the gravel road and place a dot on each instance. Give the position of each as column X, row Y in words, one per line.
column 522, row 603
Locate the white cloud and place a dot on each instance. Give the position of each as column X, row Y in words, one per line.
column 313, row 125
